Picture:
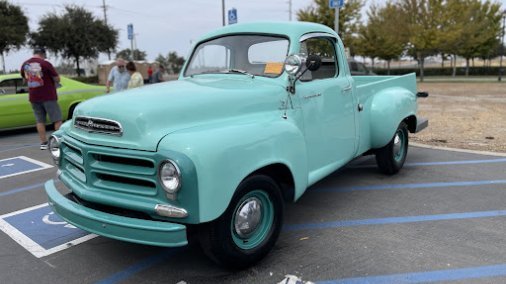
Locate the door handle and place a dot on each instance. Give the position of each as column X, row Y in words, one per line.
column 348, row 88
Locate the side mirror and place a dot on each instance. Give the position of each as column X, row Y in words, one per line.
column 293, row 64
column 313, row 62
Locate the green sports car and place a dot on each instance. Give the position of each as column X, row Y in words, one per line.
column 16, row 111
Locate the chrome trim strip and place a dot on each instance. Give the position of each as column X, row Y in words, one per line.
column 97, row 120
column 311, row 35
column 167, row 210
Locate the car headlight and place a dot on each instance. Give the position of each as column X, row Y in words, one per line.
column 54, row 148
column 170, row 177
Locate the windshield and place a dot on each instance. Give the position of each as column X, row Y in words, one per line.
column 258, row 55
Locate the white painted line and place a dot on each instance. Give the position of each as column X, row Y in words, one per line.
column 42, row 166
column 487, row 153
column 28, row 243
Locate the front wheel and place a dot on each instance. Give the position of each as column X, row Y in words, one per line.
column 390, row 158
column 250, row 226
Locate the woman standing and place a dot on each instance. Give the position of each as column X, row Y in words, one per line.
column 136, row 79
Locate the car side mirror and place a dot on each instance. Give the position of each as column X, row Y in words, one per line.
column 313, row 62
column 293, row 66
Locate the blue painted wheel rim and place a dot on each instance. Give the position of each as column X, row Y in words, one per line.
column 250, row 238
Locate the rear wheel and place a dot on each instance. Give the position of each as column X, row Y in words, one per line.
column 250, row 226
column 391, row 158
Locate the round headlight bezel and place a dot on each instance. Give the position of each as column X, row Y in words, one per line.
column 168, row 189
column 54, row 148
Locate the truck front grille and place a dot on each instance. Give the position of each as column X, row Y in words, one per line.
column 106, row 168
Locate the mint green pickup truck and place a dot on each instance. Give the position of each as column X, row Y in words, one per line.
column 260, row 112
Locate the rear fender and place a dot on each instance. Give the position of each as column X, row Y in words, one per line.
column 388, row 109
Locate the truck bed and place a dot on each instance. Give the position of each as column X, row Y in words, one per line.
column 366, row 88
column 373, row 84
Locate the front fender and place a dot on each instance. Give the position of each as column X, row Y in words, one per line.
column 224, row 154
column 388, row 109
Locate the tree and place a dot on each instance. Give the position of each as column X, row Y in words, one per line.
column 75, row 34
column 127, row 54
column 349, row 19
column 172, row 62
column 13, row 28
column 175, row 62
column 381, row 37
column 483, row 27
column 453, row 21
column 421, row 20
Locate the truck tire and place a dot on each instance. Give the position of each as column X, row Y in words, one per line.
column 250, row 226
column 390, row 158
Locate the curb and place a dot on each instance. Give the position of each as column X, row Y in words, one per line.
column 498, row 154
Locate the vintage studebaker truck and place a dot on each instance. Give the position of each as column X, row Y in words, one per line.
column 260, row 112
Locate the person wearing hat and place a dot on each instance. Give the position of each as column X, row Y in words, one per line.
column 42, row 80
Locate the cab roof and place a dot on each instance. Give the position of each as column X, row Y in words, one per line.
column 294, row 30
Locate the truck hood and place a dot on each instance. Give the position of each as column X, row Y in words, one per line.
column 149, row 113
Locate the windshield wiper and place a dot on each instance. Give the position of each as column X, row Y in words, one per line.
column 240, row 72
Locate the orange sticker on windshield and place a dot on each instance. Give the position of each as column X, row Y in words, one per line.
column 273, row 68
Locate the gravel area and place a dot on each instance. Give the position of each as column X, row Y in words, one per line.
column 467, row 115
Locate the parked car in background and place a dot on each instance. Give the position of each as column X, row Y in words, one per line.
column 16, row 111
column 359, row 68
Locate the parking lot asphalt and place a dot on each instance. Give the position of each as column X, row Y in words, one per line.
column 442, row 218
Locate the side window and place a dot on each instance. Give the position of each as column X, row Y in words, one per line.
column 8, row 87
column 323, row 47
column 21, row 86
column 361, row 68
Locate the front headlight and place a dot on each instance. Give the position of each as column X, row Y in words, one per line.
column 54, row 148
column 170, row 177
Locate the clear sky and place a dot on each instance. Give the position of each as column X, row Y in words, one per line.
column 161, row 26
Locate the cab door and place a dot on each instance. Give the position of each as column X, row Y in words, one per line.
column 15, row 109
column 327, row 102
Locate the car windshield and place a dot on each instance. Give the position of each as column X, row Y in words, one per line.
column 251, row 55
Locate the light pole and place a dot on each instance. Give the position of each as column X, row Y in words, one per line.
column 223, row 12
column 502, row 45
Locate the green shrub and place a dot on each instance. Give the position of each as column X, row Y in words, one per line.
column 447, row 71
column 87, row 80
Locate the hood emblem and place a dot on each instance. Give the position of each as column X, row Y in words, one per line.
column 98, row 125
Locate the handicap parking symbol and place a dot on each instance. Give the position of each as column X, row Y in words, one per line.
column 40, row 231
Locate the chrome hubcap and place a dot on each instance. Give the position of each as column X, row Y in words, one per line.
column 397, row 145
column 247, row 217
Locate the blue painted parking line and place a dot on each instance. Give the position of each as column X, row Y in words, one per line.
column 410, row 186
column 427, row 277
column 446, row 163
column 151, row 261
column 40, row 231
column 20, row 165
column 395, row 220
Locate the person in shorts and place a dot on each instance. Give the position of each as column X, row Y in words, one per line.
column 42, row 80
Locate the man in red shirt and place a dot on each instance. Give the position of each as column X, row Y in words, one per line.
column 42, row 80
